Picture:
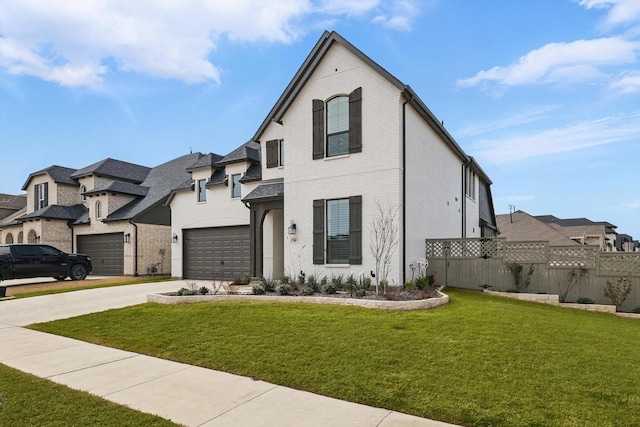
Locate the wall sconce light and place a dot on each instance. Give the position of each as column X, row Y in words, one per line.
column 174, row 238
column 127, row 237
column 292, row 228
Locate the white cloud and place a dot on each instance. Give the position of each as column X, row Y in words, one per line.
column 633, row 205
column 603, row 131
column 628, row 83
column 620, row 12
column 561, row 63
column 399, row 16
column 528, row 116
column 79, row 43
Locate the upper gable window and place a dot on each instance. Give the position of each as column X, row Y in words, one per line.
column 41, row 196
column 235, row 185
column 98, row 209
column 202, row 190
column 337, row 125
column 275, row 153
column 83, row 190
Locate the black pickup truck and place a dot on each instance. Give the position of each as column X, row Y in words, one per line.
column 22, row 261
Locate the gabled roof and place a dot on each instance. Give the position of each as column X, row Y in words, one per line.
column 205, row 161
column 12, row 202
column 57, row 212
column 314, row 58
column 59, row 174
column 253, row 173
column 264, row 192
column 522, row 227
column 121, row 188
column 573, row 222
column 160, row 181
column 114, row 169
column 247, row 152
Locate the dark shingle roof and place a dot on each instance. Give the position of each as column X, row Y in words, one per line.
column 120, row 187
column 218, row 177
column 114, row 169
column 253, row 173
column 205, row 161
column 247, row 152
column 9, row 201
column 271, row 191
column 161, row 180
column 57, row 212
column 59, row 174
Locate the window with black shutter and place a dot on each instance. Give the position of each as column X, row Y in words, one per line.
column 337, row 125
column 272, row 153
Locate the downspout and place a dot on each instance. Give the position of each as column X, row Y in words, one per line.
column 464, row 202
column 72, row 237
column 404, row 191
column 135, row 250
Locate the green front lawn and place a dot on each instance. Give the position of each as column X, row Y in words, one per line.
column 479, row 361
column 29, row 401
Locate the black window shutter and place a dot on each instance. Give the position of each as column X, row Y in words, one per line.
column 318, row 129
column 318, row 231
column 355, row 230
column 355, row 121
column 36, row 197
column 272, row 153
column 46, row 194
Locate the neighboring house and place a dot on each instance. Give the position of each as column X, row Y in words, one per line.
column 586, row 231
column 210, row 223
column 112, row 210
column 11, row 204
column 344, row 138
column 520, row 226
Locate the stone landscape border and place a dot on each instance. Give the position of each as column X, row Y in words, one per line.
column 424, row 304
column 555, row 300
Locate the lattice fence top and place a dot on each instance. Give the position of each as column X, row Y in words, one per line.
column 573, row 256
column 617, row 263
column 607, row 263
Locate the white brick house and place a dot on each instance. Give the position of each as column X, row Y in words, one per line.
column 343, row 137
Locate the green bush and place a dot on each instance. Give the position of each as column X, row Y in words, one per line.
column 585, row 301
column 421, row 283
column 330, row 288
column 258, row 290
column 284, row 289
column 307, row 290
column 338, row 282
column 410, row 285
column 186, row 292
column 361, row 293
column 203, row 290
column 269, row 285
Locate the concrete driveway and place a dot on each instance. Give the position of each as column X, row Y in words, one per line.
column 185, row 394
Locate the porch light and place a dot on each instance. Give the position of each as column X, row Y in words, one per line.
column 292, row 228
column 127, row 237
column 174, row 238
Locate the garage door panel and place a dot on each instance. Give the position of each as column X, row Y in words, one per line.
column 106, row 252
column 221, row 253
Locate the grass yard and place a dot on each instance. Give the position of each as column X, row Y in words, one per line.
column 479, row 361
column 26, row 400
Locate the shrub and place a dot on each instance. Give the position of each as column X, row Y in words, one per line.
column 361, row 293
column 619, row 291
column 307, row 290
column 285, row 279
column 338, row 282
column 258, row 290
column 585, row 301
column 329, row 288
column 410, row 285
column 421, row 283
column 636, row 310
column 313, row 283
column 284, row 289
column 185, row 292
column 572, row 280
column 269, row 285
column 203, row 290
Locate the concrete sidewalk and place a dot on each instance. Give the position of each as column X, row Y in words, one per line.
column 185, row 394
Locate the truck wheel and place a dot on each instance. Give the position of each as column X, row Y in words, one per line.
column 78, row 272
column 60, row 277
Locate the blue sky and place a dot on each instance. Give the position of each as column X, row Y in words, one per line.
column 545, row 94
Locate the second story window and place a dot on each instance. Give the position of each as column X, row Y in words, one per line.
column 275, row 153
column 338, row 126
column 41, row 196
column 83, row 190
column 98, row 209
column 202, row 190
column 235, row 185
